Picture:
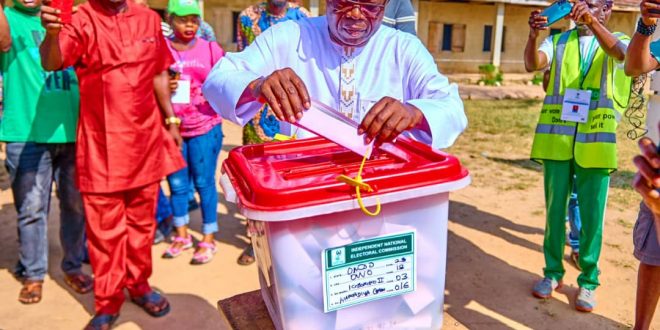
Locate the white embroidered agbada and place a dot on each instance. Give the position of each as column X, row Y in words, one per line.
column 392, row 63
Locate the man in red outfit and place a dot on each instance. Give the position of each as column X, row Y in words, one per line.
column 123, row 148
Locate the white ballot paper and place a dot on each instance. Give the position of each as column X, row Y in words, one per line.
column 182, row 93
column 332, row 125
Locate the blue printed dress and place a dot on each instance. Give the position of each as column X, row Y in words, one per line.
column 251, row 22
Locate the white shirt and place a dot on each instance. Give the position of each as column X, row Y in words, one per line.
column 547, row 47
column 392, row 63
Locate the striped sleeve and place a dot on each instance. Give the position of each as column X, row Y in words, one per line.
column 399, row 14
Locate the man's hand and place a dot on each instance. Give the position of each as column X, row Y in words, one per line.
column 536, row 23
column 284, row 92
column 647, row 179
column 650, row 11
column 50, row 19
column 388, row 118
column 176, row 134
column 581, row 13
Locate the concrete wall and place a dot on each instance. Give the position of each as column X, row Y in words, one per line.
column 220, row 13
column 475, row 16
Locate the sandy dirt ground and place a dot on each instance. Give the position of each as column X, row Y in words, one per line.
column 494, row 256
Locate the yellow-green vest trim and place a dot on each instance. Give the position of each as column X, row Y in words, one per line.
column 592, row 144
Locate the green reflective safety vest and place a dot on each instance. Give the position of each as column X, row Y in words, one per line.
column 593, row 144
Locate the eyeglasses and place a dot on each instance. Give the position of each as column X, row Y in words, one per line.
column 369, row 8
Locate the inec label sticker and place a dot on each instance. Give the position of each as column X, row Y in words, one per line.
column 576, row 105
column 368, row 270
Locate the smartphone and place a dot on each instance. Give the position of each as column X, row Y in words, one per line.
column 66, row 9
column 557, row 11
column 173, row 73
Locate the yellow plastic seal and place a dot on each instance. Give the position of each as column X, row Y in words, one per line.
column 361, row 185
column 281, row 137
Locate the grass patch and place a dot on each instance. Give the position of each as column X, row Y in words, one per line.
column 614, row 246
column 625, row 264
column 624, row 224
column 538, row 213
column 499, row 139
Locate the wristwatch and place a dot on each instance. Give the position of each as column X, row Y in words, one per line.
column 173, row 120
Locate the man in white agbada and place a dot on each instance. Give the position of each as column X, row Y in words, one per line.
column 347, row 60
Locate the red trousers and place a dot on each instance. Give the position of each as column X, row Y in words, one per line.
column 120, row 232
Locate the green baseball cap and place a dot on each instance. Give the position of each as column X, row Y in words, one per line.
column 183, row 7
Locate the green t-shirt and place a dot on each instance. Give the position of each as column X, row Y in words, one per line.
column 39, row 106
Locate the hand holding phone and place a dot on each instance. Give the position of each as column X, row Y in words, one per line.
column 650, row 10
column 66, row 9
column 581, row 13
column 537, row 22
column 557, row 11
column 174, row 78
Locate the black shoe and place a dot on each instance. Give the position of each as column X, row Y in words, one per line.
column 159, row 237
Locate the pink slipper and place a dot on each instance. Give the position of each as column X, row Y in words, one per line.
column 173, row 252
column 206, row 256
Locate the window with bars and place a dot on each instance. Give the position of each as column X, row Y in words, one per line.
column 489, row 38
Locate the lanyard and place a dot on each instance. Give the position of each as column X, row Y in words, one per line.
column 182, row 58
column 587, row 60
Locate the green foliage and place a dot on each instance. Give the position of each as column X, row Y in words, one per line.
column 538, row 79
column 499, row 139
column 490, row 75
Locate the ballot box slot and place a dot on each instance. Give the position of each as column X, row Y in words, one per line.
column 306, row 147
column 339, row 167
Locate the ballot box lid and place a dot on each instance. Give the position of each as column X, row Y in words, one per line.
column 298, row 174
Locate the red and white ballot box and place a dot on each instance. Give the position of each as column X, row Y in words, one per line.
column 323, row 262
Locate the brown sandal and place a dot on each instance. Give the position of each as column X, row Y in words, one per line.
column 153, row 303
column 247, row 257
column 31, row 292
column 79, row 282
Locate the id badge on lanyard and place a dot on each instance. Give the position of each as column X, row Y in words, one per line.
column 577, row 102
column 576, row 105
column 182, row 93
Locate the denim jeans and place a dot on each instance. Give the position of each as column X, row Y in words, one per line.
column 201, row 155
column 164, row 208
column 32, row 168
column 574, row 221
column 163, row 211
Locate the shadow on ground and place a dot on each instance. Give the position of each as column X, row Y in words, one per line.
column 231, row 225
column 524, row 163
column 485, row 292
column 188, row 312
column 470, row 216
column 9, row 256
column 4, row 177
